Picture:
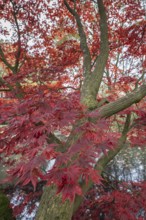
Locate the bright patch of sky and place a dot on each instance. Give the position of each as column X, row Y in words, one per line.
column 5, row 27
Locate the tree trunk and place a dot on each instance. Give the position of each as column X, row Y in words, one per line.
column 52, row 207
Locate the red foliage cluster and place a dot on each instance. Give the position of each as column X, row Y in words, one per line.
column 114, row 200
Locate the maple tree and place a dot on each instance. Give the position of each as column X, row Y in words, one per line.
column 74, row 67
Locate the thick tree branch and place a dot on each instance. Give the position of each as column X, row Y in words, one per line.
column 123, row 103
column 91, row 84
column 104, row 47
column 105, row 112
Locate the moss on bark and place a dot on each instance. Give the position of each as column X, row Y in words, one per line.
column 5, row 209
column 52, row 207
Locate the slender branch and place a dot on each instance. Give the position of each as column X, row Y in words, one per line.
column 140, row 78
column 5, row 90
column 68, row 87
column 15, row 12
column 94, row 61
column 103, row 161
column 4, row 60
column 14, row 68
column 83, row 40
column 4, row 83
column 108, row 78
column 53, row 139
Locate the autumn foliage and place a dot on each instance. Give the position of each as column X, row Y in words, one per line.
column 50, row 55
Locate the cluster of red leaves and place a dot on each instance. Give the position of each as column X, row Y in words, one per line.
column 31, row 121
column 113, row 200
